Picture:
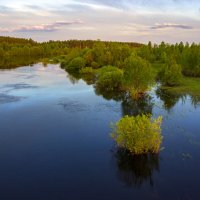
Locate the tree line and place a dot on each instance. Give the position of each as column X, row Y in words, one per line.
column 137, row 62
column 110, row 53
column 10, row 46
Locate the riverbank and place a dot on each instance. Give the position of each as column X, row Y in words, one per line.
column 189, row 85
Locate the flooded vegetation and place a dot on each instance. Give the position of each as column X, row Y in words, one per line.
column 58, row 100
column 55, row 139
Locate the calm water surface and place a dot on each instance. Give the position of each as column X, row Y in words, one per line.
column 55, row 143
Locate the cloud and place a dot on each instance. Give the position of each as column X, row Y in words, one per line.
column 33, row 7
column 123, row 20
column 4, row 30
column 110, row 3
column 170, row 25
column 5, row 10
column 43, row 27
column 144, row 3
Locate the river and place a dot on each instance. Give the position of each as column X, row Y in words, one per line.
column 55, row 141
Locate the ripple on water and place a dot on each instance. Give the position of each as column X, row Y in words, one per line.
column 74, row 106
column 6, row 98
column 19, row 86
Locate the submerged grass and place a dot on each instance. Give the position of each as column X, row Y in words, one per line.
column 189, row 85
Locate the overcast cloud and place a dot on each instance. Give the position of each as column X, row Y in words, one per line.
column 124, row 20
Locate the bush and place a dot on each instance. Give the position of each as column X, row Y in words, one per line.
column 88, row 74
column 137, row 75
column 171, row 75
column 139, row 134
column 63, row 64
column 76, row 64
column 95, row 65
column 87, row 70
column 109, row 78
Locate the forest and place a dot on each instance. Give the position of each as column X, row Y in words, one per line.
column 120, row 66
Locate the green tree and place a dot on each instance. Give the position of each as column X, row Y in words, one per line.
column 170, row 75
column 137, row 75
column 89, row 58
column 109, row 78
column 99, row 51
column 76, row 64
column 1, row 52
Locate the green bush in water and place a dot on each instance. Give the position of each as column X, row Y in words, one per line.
column 88, row 74
column 109, row 78
column 76, row 64
column 139, row 135
column 137, row 76
column 171, row 75
column 87, row 70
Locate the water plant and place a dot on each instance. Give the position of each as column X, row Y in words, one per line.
column 139, row 135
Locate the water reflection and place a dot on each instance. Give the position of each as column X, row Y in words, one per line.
column 73, row 78
column 170, row 99
column 136, row 170
column 195, row 100
column 14, row 62
column 45, row 148
column 6, row 98
column 129, row 106
column 89, row 78
column 19, row 86
column 110, row 95
column 134, row 107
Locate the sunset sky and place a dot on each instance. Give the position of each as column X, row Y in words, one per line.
column 123, row 20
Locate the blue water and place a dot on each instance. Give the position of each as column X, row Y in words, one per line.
column 55, row 142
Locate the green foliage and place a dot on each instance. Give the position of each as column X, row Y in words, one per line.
column 1, row 52
column 109, row 78
column 94, row 65
column 100, row 53
column 88, row 56
column 76, row 64
column 88, row 74
column 87, row 70
column 170, row 75
column 145, row 52
column 74, row 53
column 189, row 86
column 137, row 75
column 139, row 135
column 190, row 61
column 14, row 62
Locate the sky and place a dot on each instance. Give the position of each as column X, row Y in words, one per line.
column 116, row 20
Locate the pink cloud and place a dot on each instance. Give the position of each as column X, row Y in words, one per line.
column 43, row 27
